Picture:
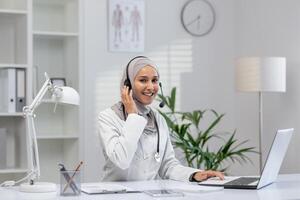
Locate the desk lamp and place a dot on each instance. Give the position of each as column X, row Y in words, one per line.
column 65, row 95
column 261, row 74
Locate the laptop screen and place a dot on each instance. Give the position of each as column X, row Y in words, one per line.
column 275, row 157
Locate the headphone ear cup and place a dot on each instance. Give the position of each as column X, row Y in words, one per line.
column 127, row 83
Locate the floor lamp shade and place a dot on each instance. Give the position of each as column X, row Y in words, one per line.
column 261, row 74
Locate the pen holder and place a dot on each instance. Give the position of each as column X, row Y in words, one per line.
column 70, row 184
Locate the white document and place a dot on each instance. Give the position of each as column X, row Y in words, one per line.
column 104, row 188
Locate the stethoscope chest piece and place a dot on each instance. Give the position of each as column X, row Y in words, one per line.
column 157, row 157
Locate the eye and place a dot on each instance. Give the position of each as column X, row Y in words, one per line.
column 155, row 81
column 143, row 80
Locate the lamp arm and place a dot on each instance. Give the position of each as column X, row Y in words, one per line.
column 37, row 100
column 32, row 150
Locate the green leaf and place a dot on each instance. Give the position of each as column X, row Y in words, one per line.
column 205, row 135
column 194, row 117
column 187, row 135
column 168, row 120
column 172, row 100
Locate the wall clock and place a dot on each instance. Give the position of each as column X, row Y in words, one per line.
column 198, row 17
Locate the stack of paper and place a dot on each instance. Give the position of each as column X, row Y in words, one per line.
column 103, row 188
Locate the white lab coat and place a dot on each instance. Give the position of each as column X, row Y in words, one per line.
column 129, row 153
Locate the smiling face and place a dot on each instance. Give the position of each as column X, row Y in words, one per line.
column 146, row 85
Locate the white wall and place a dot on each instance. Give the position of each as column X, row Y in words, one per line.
column 212, row 82
column 202, row 68
column 271, row 28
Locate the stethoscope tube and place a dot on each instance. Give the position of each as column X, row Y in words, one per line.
column 156, row 155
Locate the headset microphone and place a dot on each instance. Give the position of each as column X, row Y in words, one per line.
column 162, row 103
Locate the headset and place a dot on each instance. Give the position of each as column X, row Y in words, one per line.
column 161, row 104
column 127, row 80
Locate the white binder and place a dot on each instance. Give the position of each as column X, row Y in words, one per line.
column 8, row 86
column 21, row 90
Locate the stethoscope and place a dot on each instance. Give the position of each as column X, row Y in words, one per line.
column 156, row 155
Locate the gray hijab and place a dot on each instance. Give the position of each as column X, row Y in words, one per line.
column 133, row 68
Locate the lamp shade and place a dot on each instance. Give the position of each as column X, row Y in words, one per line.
column 261, row 74
column 66, row 95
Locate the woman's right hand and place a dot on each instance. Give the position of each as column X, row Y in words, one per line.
column 203, row 175
column 127, row 100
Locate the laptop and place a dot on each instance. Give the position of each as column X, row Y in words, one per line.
column 270, row 171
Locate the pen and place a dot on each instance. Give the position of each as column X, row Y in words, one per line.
column 71, row 179
column 66, row 176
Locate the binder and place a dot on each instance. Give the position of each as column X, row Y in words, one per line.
column 8, row 86
column 21, row 89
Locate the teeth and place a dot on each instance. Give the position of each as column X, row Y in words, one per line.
column 148, row 94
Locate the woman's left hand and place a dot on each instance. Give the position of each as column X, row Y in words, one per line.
column 203, row 175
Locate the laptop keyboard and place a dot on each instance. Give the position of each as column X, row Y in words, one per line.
column 242, row 181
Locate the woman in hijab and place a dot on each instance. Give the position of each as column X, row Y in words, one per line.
column 135, row 138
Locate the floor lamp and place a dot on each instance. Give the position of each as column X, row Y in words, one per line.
column 261, row 74
column 64, row 95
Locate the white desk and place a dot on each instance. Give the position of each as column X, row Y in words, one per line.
column 286, row 187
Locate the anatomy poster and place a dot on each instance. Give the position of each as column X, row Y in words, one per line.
column 126, row 26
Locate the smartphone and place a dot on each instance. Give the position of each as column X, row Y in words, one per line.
column 163, row 193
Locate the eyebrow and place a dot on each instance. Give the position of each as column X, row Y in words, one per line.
column 146, row 76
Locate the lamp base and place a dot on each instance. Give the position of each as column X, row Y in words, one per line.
column 38, row 187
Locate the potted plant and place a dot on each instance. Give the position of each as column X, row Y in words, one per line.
column 193, row 140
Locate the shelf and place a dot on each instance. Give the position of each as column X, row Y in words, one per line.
column 11, row 65
column 41, row 36
column 12, row 171
column 57, row 137
column 54, row 34
column 13, row 12
column 48, row 101
column 53, row 2
column 18, row 5
column 11, row 114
